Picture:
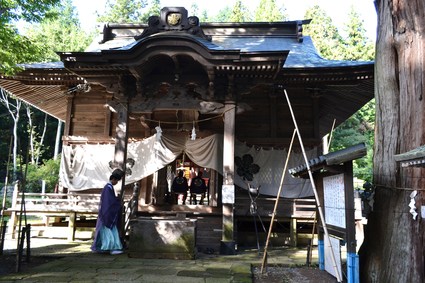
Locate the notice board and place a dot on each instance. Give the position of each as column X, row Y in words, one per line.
column 334, row 200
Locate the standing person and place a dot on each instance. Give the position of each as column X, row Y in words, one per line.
column 106, row 238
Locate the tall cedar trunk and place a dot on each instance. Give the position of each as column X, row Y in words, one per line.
column 393, row 250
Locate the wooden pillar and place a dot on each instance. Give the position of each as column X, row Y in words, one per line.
column 71, row 226
column 228, row 244
column 69, row 109
column 293, row 232
column 350, row 224
column 126, row 90
column 13, row 217
column 121, row 140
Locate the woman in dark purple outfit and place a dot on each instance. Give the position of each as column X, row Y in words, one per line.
column 106, row 238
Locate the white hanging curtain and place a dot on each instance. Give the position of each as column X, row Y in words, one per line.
column 87, row 166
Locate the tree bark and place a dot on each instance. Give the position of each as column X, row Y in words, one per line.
column 14, row 113
column 32, row 133
column 393, row 250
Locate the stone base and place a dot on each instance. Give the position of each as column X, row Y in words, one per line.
column 228, row 247
column 169, row 238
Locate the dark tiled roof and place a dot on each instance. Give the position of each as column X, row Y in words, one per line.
column 301, row 54
column 46, row 65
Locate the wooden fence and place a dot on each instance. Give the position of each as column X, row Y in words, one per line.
column 72, row 206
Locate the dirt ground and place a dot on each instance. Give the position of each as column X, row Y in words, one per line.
column 280, row 274
column 8, row 263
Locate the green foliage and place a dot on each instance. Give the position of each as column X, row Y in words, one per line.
column 240, row 13
column 331, row 45
column 356, row 45
column 223, row 15
column 194, row 11
column 27, row 10
column 123, row 11
column 49, row 172
column 359, row 128
column 128, row 11
column 59, row 34
column 16, row 48
column 324, row 34
column 153, row 8
column 268, row 11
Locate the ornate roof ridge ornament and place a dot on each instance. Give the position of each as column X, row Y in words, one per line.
column 173, row 19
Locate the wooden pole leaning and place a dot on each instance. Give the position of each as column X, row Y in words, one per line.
column 316, row 196
column 264, row 262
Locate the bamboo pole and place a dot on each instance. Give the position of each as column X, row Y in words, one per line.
column 319, row 208
column 276, row 203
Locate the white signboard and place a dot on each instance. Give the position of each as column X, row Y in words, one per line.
column 336, row 248
column 334, row 200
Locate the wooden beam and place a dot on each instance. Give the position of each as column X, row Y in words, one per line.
column 277, row 142
column 121, row 137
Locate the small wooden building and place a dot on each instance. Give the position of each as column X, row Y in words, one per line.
column 178, row 93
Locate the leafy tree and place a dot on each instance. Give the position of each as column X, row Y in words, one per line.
column 268, row 11
column 194, row 11
column 16, row 48
column 55, row 27
column 123, row 11
column 48, row 172
column 62, row 33
column 356, row 45
column 223, row 15
column 324, row 33
column 240, row 13
column 13, row 106
column 153, row 8
column 359, row 128
column 128, row 11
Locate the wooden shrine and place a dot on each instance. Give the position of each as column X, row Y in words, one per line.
column 178, row 77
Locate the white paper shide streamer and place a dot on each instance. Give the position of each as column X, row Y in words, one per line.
column 412, row 204
column 158, row 132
